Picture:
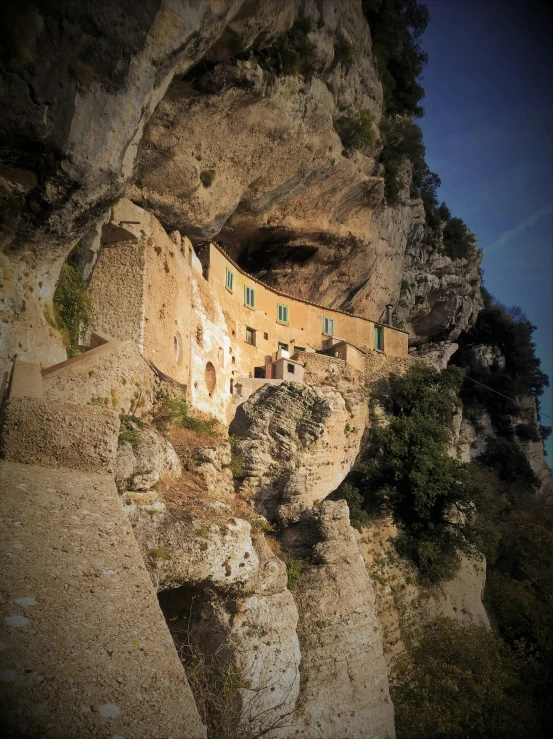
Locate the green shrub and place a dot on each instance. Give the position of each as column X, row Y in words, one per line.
column 356, row 132
column 396, row 28
column 462, row 682
column 236, row 458
column 294, row 568
column 129, row 430
column 72, row 307
column 439, row 504
column 344, row 52
column 358, row 517
column 292, row 53
column 459, row 242
column 510, row 463
column 158, row 553
column 178, row 410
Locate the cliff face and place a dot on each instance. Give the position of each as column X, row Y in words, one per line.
column 181, row 107
column 178, row 105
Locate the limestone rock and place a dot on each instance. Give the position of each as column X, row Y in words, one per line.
column 344, row 674
column 438, row 354
column 182, row 549
column 211, row 464
column 125, row 465
column 155, row 457
column 298, row 443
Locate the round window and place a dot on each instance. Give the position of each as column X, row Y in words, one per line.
column 210, row 377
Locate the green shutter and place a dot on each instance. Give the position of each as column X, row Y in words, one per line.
column 282, row 313
column 378, row 338
column 230, row 279
column 249, row 296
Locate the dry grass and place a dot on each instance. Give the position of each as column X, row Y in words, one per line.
column 187, row 494
column 190, row 439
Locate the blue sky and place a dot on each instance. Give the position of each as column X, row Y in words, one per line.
column 488, row 134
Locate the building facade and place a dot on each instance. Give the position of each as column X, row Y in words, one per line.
column 207, row 323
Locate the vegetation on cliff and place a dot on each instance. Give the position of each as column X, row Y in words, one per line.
column 72, row 307
column 441, row 505
column 462, row 681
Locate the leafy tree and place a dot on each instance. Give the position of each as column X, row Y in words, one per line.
column 519, row 591
column 462, row 682
column 459, row 242
column 520, row 376
column 439, row 504
column 396, row 28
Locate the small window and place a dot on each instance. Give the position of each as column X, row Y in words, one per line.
column 250, row 336
column 229, row 280
column 291, row 368
column 249, row 296
column 266, row 336
column 282, row 313
column 379, row 338
column 299, row 349
column 328, row 326
column 282, row 346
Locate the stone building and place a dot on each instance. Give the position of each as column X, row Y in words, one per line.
column 208, row 324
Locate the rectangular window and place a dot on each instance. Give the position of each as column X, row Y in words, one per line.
column 282, row 346
column 250, row 336
column 291, row 368
column 229, row 280
column 379, row 338
column 328, row 326
column 282, row 313
column 249, row 296
column 299, row 349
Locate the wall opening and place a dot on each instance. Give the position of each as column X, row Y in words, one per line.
column 231, row 386
column 210, row 377
column 250, row 336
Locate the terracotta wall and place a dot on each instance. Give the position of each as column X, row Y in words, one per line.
column 305, row 321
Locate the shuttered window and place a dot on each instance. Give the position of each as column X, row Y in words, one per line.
column 328, row 326
column 249, row 297
column 229, row 280
column 282, row 313
column 379, row 338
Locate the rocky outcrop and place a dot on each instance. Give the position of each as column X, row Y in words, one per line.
column 141, row 467
column 344, row 674
column 298, row 442
column 82, row 84
column 224, row 590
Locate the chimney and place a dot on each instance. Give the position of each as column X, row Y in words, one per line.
column 389, row 309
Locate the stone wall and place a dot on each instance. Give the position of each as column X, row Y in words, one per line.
column 85, row 648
